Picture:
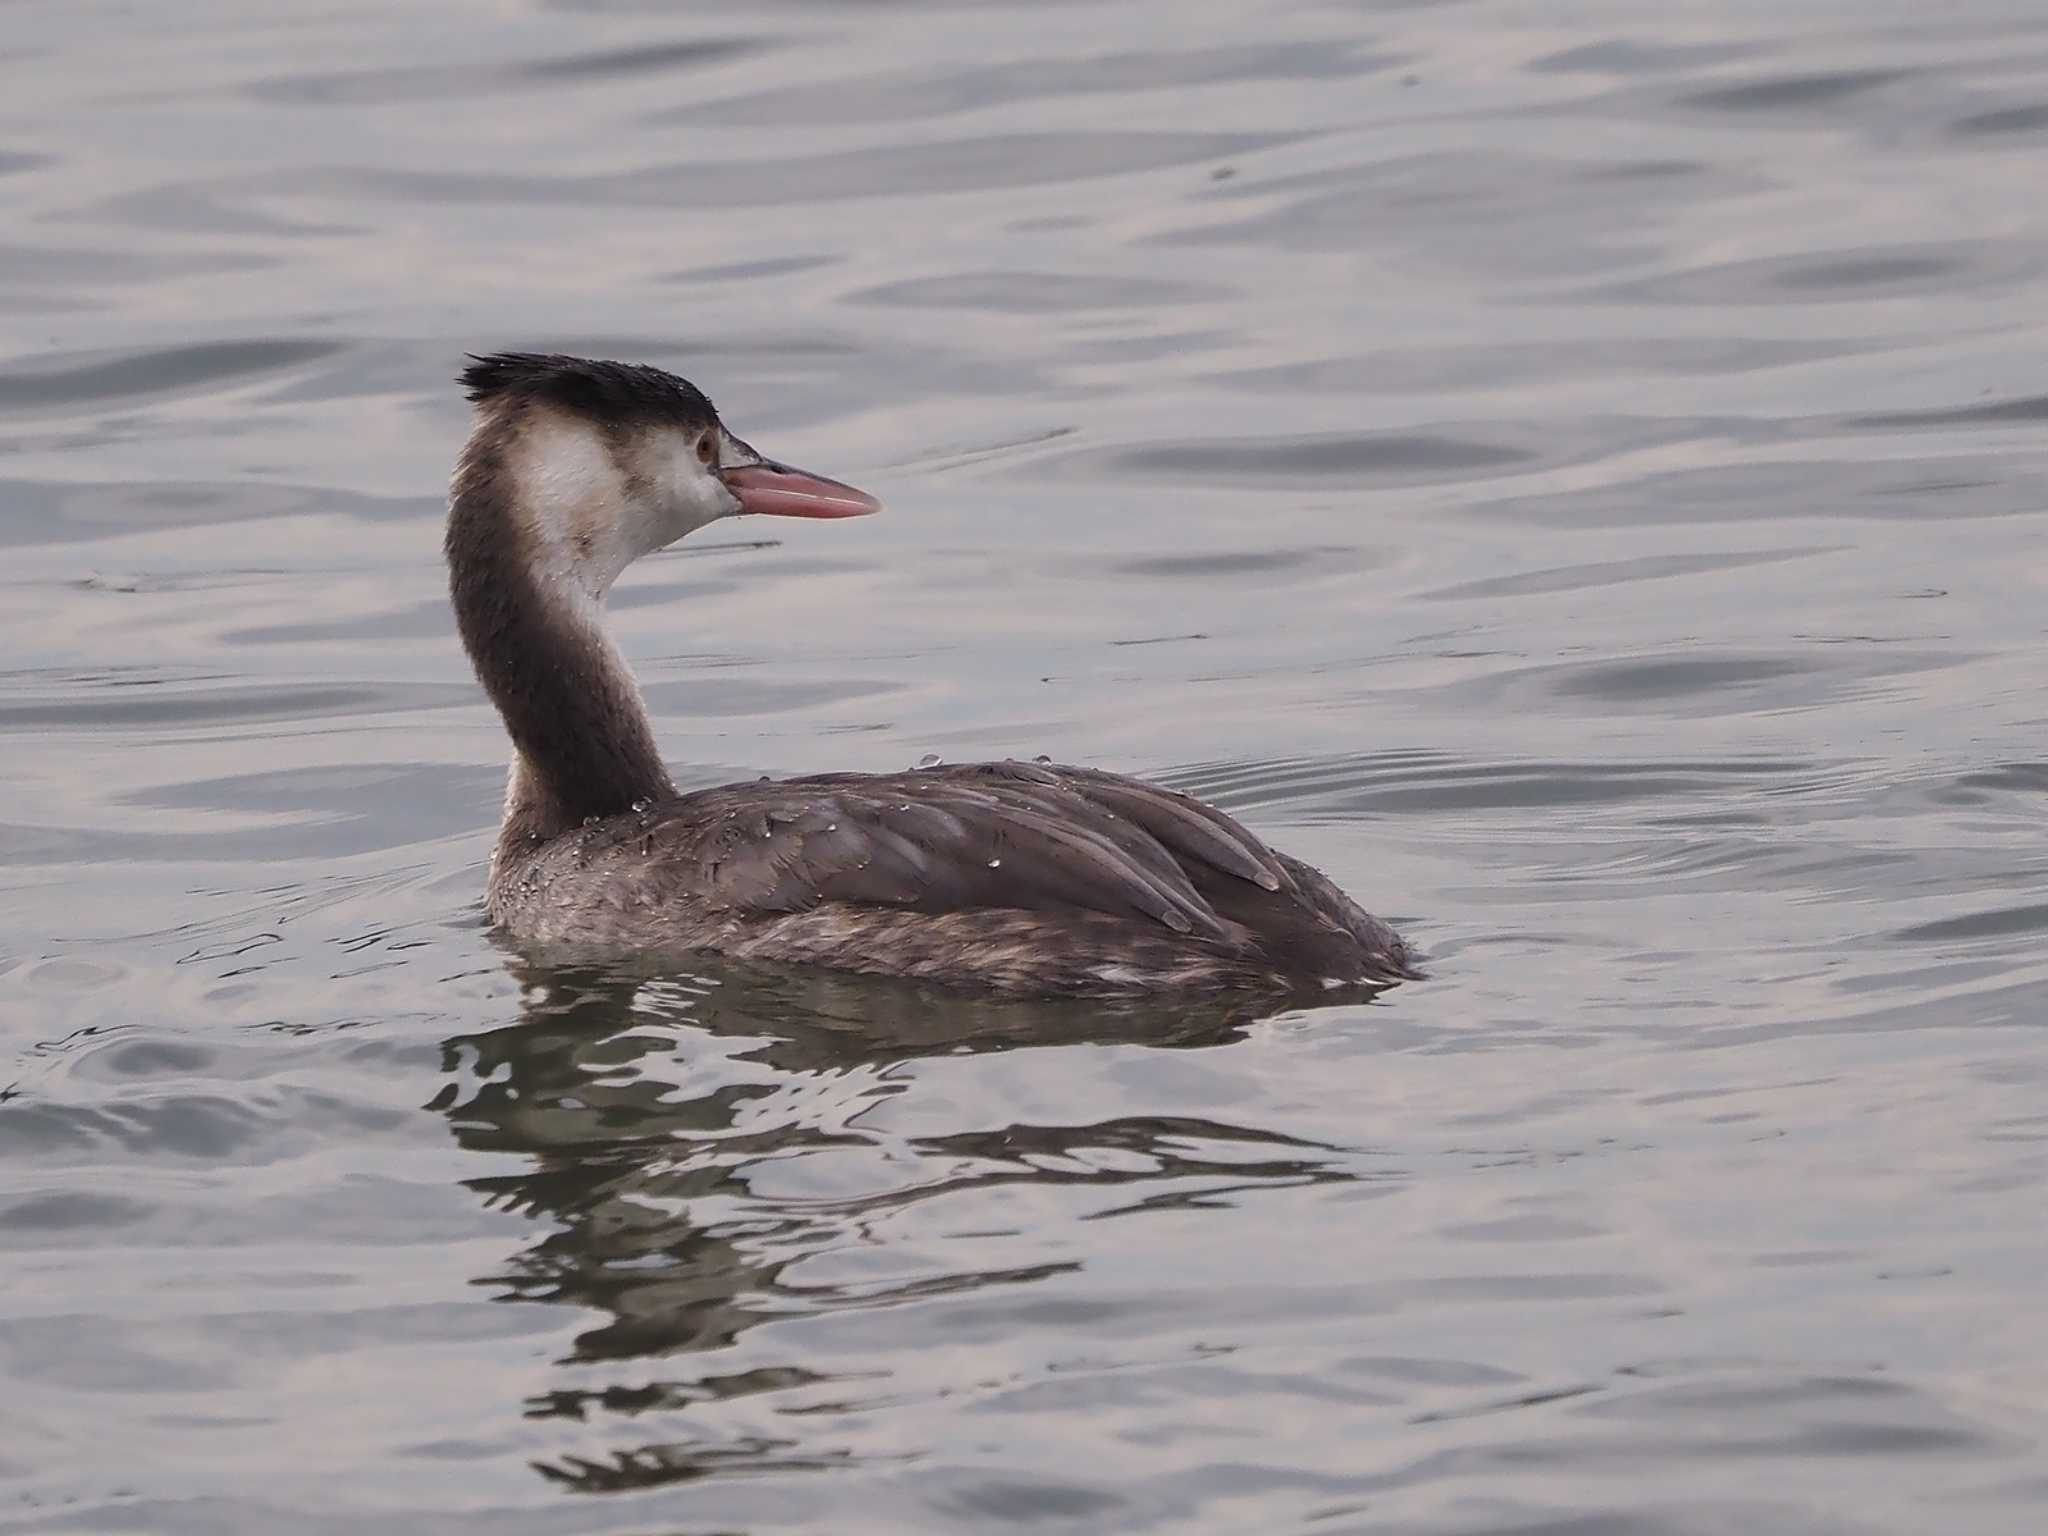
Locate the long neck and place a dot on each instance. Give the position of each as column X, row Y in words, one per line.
column 534, row 633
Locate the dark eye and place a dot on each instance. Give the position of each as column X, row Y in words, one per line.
column 707, row 450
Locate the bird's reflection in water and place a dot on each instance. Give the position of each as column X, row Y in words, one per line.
column 681, row 1132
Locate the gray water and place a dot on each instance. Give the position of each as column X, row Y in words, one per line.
column 1574, row 472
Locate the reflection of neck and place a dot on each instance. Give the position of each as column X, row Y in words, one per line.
column 534, row 630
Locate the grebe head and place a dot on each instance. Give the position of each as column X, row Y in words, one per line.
column 600, row 463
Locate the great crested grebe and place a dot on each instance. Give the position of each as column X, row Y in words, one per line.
column 1022, row 877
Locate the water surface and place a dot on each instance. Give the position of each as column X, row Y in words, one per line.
column 1574, row 474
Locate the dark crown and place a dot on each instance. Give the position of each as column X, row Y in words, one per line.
column 614, row 393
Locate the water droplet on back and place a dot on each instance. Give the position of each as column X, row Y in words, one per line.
column 641, row 805
column 1044, row 759
column 930, row 760
column 995, row 863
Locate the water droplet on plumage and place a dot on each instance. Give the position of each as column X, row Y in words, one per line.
column 1044, row 759
column 930, row 760
column 591, row 821
column 995, row 863
column 641, row 805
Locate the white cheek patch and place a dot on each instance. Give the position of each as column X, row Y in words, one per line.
column 695, row 492
column 568, row 498
column 571, row 483
column 593, row 505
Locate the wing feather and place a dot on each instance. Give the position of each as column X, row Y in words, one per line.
column 1185, row 826
column 994, row 835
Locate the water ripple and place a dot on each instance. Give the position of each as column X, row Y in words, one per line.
column 1569, row 477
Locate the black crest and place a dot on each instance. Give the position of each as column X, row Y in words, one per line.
column 614, row 393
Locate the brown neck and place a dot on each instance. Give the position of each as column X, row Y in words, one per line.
column 584, row 744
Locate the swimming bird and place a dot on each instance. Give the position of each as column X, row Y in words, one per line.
column 1018, row 877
